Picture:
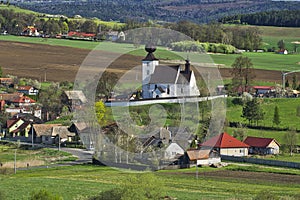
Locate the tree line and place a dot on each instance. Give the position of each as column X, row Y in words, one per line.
column 203, row 11
column 15, row 22
column 238, row 36
column 287, row 18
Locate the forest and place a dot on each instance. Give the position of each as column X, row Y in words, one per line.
column 198, row 11
column 284, row 18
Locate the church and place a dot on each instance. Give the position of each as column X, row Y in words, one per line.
column 162, row 81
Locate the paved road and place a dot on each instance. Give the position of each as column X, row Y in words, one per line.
column 83, row 155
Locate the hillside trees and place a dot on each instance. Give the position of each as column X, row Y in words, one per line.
column 276, row 118
column 291, row 140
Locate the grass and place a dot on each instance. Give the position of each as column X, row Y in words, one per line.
column 39, row 156
column 75, row 181
column 287, row 112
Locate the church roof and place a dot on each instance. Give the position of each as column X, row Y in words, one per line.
column 164, row 74
column 184, row 78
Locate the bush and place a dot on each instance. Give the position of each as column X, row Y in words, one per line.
column 44, row 195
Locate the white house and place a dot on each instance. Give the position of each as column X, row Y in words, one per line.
column 173, row 150
column 161, row 81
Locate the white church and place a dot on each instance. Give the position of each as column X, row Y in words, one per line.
column 162, row 81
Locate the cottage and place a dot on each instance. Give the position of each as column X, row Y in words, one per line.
column 28, row 90
column 6, row 81
column 173, row 150
column 160, row 81
column 17, row 127
column 263, row 146
column 203, row 156
column 49, row 133
column 227, row 145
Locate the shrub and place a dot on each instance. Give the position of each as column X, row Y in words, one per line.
column 44, row 195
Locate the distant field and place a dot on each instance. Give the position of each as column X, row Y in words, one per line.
column 230, row 183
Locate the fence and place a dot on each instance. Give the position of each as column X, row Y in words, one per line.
column 276, row 163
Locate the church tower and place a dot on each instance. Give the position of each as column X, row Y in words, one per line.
column 148, row 66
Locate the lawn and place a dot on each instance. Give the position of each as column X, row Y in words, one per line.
column 73, row 182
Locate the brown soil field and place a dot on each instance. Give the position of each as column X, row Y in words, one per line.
column 62, row 63
column 255, row 176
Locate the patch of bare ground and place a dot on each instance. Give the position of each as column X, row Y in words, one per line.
column 62, row 63
column 255, row 176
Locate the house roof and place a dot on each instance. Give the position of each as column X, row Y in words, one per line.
column 10, row 96
column 164, row 74
column 259, row 142
column 11, row 122
column 43, row 129
column 21, row 127
column 62, row 131
column 198, row 154
column 26, row 87
column 23, row 99
column 262, row 87
column 224, row 140
column 184, row 78
column 76, row 95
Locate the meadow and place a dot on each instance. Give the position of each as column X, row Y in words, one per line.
column 76, row 182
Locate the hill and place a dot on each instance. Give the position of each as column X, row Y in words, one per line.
column 199, row 11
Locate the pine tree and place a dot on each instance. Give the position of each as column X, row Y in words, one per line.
column 252, row 111
column 276, row 118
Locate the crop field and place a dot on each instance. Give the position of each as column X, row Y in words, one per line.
column 232, row 182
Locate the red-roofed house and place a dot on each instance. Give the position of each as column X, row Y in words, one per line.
column 227, row 145
column 28, row 90
column 23, row 101
column 262, row 90
column 17, row 128
column 262, row 145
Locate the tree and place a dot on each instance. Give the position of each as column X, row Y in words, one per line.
column 240, row 133
column 290, row 139
column 295, row 81
column 100, row 112
column 243, row 73
column 281, row 44
column 1, row 73
column 252, row 111
column 89, row 26
column 276, row 118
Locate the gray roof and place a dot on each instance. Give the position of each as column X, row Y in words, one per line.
column 184, row 78
column 76, row 95
column 164, row 74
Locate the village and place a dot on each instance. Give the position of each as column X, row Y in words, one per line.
column 178, row 147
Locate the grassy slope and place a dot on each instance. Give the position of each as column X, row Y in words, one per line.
column 287, row 113
column 17, row 9
column 75, row 181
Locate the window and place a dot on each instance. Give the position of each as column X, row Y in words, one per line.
column 168, row 90
column 148, row 72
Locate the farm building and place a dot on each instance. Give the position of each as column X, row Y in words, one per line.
column 262, row 146
column 227, row 145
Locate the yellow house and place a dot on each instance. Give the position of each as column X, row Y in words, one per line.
column 262, row 145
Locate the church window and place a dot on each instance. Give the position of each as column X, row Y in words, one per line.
column 168, row 90
column 148, row 72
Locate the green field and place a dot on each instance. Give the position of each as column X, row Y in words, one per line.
column 287, row 112
column 82, row 181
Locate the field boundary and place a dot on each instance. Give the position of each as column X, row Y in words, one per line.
column 275, row 163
